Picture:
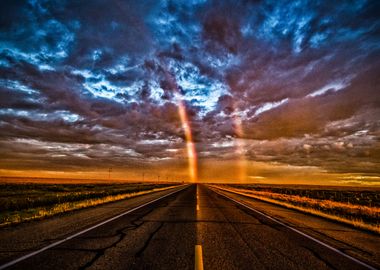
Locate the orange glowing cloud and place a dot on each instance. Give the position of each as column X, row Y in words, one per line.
column 190, row 147
column 240, row 146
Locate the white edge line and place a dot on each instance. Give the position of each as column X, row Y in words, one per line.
column 298, row 231
column 6, row 265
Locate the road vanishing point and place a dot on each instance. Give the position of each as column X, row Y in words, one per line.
column 187, row 227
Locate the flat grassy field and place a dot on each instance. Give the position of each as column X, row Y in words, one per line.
column 357, row 206
column 27, row 201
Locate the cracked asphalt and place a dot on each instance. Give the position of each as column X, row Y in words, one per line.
column 163, row 235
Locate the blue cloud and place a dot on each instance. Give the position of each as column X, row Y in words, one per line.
column 97, row 72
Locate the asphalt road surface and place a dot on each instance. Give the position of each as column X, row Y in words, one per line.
column 194, row 226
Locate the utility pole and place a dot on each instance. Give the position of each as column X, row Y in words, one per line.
column 109, row 173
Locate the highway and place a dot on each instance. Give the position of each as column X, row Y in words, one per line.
column 190, row 228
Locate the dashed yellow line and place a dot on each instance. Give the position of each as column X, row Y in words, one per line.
column 197, row 200
column 198, row 258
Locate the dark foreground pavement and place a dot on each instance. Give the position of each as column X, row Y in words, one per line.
column 163, row 235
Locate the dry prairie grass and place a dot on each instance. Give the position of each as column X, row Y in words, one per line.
column 23, row 204
column 364, row 217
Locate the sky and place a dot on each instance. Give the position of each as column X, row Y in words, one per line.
column 229, row 91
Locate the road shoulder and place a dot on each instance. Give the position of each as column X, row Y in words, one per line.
column 360, row 244
column 21, row 239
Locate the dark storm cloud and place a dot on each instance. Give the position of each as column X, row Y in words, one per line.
column 91, row 79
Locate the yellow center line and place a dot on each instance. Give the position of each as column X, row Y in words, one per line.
column 198, row 258
column 197, row 200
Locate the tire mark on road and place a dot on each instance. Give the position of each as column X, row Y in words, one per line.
column 263, row 222
column 346, row 246
column 316, row 254
column 279, row 228
column 335, row 242
column 213, row 202
column 339, row 244
column 299, row 232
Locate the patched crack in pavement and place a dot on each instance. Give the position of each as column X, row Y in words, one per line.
column 162, row 235
column 120, row 233
column 146, row 244
column 100, row 252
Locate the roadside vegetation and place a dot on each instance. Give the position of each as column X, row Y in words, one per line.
column 23, row 202
column 355, row 206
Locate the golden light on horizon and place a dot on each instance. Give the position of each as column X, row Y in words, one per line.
column 206, row 98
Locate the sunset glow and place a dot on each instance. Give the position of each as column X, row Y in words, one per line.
column 197, row 91
column 195, row 134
